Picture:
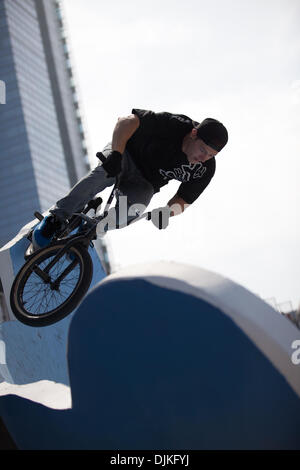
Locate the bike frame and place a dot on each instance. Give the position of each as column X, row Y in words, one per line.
column 84, row 238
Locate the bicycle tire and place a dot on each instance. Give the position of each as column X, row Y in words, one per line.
column 47, row 318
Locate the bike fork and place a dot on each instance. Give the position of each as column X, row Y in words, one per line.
column 55, row 285
column 44, row 273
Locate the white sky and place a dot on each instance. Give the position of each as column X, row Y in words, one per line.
column 236, row 61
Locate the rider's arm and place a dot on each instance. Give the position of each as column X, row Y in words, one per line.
column 124, row 129
column 177, row 205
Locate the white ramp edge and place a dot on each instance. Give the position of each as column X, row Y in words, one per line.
column 45, row 392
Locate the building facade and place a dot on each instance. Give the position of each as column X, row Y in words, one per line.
column 43, row 149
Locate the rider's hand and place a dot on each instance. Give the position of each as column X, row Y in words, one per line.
column 113, row 163
column 160, row 217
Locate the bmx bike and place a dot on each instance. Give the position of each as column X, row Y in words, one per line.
column 54, row 279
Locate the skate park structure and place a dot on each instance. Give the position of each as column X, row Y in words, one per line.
column 158, row 356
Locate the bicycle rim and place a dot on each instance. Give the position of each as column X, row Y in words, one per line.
column 33, row 300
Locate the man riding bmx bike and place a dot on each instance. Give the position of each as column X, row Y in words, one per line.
column 148, row 150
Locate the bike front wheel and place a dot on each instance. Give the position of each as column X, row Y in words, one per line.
column 39, row 299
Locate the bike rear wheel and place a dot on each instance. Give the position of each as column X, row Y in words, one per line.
column 33, row 299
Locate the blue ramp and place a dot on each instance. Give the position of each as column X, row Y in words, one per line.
column 168, row 356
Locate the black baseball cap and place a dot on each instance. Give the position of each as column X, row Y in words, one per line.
column 213, row 133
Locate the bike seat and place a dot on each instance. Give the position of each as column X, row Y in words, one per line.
column 94, row 203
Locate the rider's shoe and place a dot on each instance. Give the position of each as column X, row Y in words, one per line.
column 45, row 231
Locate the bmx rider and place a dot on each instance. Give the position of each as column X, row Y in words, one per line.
column 148, row 149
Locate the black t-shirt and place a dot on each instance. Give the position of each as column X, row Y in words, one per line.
column 156, row 149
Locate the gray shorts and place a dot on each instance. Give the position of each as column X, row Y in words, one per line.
column 132, row 184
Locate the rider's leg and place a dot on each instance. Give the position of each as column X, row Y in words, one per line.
column 83, row 191
column 80, row 194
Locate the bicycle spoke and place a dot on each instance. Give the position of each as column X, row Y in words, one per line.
column 37, row 295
